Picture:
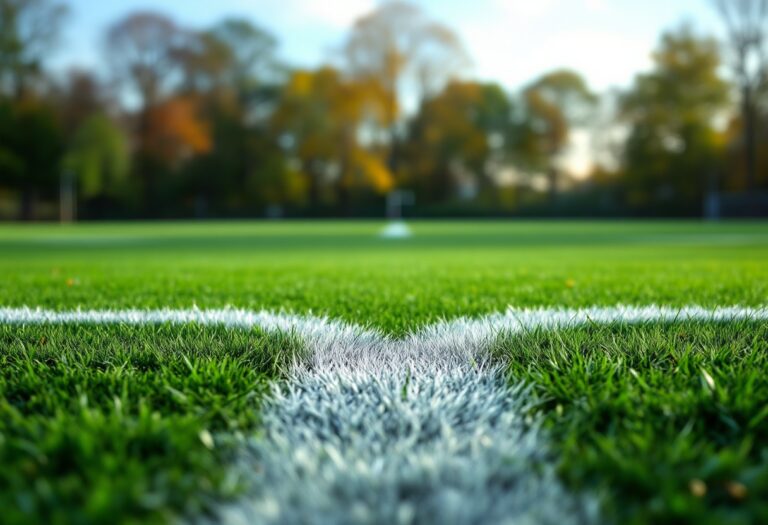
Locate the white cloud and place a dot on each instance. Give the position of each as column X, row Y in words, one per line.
column 605, row 57
column 338, row 14
column 539, row 8
column 518, row 42
column 596, row 5
column 527, row 8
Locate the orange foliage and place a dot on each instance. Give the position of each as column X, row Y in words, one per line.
column 175, row 131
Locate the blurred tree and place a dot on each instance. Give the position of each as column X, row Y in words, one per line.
column 455, row 138
column 98, row 157
column 145, row 50
column 400, row 48
column 551, row 107
column 747, row 25
column 29, row 30
column 94, row 169
column 245, row 172
column 322, row 119
column 235, row 57
column 734, row 178
column 30, row 135
column 79, row 96
column 252, row 60
column 175, row 130
column 31, row 144
column 673, row 149
column 203, row 62
column 233, row 70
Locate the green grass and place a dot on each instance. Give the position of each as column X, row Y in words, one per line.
column 104, row 424
column 107, row 424
column 668, row 422
column 344, row 270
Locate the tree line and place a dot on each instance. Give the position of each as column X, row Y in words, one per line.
column 184, row 122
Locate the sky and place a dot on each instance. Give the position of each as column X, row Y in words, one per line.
column 509, row 41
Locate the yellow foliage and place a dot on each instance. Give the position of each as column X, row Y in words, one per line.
column 324, row 114
column 301, row 83
column 375, row 171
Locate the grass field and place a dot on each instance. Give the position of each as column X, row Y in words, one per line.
column 343, row 270
column 658, row 422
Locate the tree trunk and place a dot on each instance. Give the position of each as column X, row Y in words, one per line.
column 750, row 140
column 19, row 86
column 553, row 176
column 393, row 159
column 314, row 186
column 346, row 172
column 246, row 169
column 144, row 167
column 27, row 209
column 344, row 199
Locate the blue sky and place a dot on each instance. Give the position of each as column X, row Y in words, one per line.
column 509, row 40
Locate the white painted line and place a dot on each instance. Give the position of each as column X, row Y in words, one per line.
column 346, row 348
column 433, row 449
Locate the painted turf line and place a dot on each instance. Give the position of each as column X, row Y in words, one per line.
column 422, row 429
column 351, row 349
column 443, row 448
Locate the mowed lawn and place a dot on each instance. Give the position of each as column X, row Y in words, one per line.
column 345, row 271
column 663, row 423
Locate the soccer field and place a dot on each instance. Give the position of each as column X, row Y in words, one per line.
column 477, row 372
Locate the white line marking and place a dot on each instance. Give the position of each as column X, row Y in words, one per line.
column 443, row 449
column 346, row 348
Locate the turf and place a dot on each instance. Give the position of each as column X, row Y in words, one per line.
column 668, row 422
column 105, row 424
column 345, row 271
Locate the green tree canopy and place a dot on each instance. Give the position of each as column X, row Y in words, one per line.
column 98, row 156
column 551, row 106
column 28, row 31
column 454, row 136
column 31, row 144
column 673, row 147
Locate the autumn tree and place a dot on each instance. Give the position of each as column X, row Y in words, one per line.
column 673, row 147
column 252, row 63
column 455, row 138
column 399, row 47
column 746, row 22
column 144, row 50
column 29, row 31
column 321, row 117
column 551, row 107
column 176, row 131
column 233, row 70
column 234, row 56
